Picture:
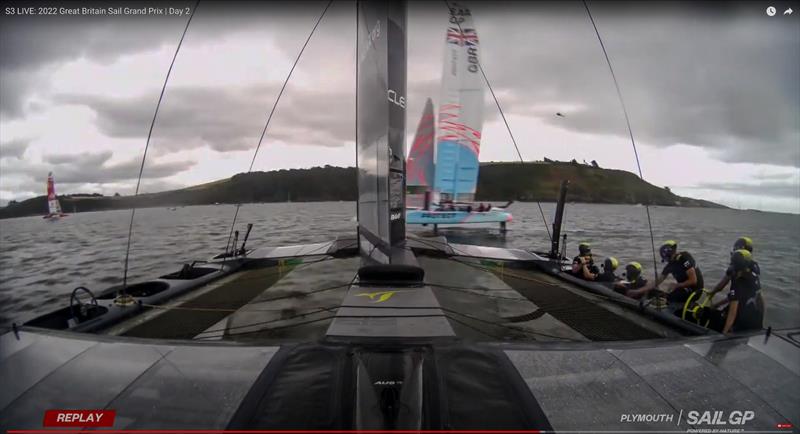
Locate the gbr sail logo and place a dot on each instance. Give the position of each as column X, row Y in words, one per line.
column 464, row 37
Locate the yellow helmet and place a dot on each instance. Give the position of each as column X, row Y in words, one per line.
column 741, row 259
column 668, row 249
column 743, row 243
column 611, row 263
column 632, row 271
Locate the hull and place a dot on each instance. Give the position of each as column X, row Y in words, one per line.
column 423, row 217
column 484, row 323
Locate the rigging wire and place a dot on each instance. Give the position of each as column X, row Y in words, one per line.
column 358, row 196
column 266, row 124
column 147, row 146
column 267, row 329
column 630, row 133
column 505, row 121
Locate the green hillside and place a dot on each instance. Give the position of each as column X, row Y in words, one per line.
column 498, row 181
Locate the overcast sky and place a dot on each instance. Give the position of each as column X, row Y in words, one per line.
column 712, row 91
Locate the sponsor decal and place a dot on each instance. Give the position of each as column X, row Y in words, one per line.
column 79, row 418
column 438, row 215
column 371, row 37
column 396, row 99
column 377, row 297
column 388, row 383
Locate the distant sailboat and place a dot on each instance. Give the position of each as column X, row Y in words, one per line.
column 454, row 174
column 53, row 206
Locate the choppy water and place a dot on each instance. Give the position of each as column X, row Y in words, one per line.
column 42, row 261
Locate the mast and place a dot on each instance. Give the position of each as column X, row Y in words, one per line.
column 381, row 122
column 562, row 197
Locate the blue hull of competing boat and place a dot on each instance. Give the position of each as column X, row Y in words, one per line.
column 422, row 217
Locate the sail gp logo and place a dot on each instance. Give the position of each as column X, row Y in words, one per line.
column 719, row 417
column 698, row 421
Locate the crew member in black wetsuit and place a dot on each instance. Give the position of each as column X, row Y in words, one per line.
column 682, row 267
column 583, row 264
column 745, row 309
column 633, row 279
column 609, row 266
column 743, row 243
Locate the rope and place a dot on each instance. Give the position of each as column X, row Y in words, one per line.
column 147, row 146
column 269, row 118
column 503, row 326
column 319, row 310
column 505, row 121
column 630, row 133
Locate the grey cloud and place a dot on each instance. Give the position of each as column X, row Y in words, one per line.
column 227, row 119
column 29, row 43
column 90, row 159
column 89, row 168
column 14, row 148
column 723, row 82
column 716, row 77
column 767, row 188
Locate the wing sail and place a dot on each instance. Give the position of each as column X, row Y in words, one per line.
column 460, row 111
column 420, row 168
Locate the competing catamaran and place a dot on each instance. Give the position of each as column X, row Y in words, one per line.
column 384, row 330
column 448, row 185
column 53, row 205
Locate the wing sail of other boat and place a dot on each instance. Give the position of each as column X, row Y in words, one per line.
column 458, row 137
column 53, row 205
column 420, row 169
column 419, row 164
column 460, row 110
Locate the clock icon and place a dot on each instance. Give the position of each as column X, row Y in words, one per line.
column 771, row 11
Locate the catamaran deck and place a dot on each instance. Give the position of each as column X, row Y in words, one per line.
column 268, row 345
column 480, row 299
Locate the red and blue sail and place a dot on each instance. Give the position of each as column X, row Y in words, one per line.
column 460, row 111
column 420, row 168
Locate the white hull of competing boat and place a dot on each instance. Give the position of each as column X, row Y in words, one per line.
column 426, row 217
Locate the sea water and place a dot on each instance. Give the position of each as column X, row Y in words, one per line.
column 42, row 261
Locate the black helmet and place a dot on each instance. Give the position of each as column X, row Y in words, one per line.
column 743, row 243
column 610, row 264
column 667, row 250
column 584, row 249
column 741, row 259
column 632, row 271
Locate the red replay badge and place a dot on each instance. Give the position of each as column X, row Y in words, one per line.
column 79, row 418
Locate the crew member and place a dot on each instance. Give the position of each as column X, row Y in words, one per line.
column 682, row 267
column 583, row 265
column 741, row 243
column 609, row 266
column 633, row 279
column 745, row 307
